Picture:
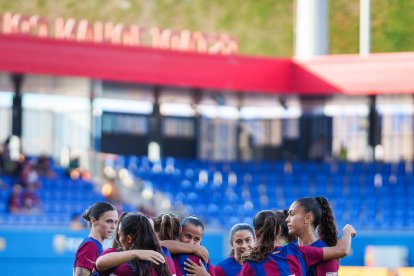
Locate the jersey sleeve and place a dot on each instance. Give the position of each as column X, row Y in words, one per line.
column 247, row 270
column 86, row 256
column 313, row 255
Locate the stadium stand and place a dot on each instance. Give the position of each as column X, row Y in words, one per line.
column 224, row 193
column 60, row 197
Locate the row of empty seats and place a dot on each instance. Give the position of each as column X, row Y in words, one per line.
column 369, row 195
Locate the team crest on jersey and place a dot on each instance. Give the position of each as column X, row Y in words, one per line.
column 331, row 273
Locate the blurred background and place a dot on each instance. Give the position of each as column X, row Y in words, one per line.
column 207, row 108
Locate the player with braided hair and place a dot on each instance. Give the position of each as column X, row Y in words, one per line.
column 305, row 216
column 273, row 255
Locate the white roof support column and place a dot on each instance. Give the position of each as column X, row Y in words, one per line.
column 365, row 27
column 311, row 28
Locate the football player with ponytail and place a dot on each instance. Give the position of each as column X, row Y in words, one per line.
column 305, row 216
column 274, row 255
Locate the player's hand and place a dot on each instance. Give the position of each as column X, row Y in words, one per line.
column 349, row 229
column 195, row 270
column 201, row 252
column 149, row 255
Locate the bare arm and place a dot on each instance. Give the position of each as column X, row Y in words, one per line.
column 115, row 259
column 177, row 247
column 81, row 271
column 343, row 247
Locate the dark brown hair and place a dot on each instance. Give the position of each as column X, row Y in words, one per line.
column 323, row 218
column 167, row 225
column 266, row 226
column 115, row 242
column 96, row 211
column 281, row 216
column 138, row 226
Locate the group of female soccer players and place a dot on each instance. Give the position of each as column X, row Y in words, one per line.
column 279, row 243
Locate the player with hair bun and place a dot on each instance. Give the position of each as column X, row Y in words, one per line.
column 101, row 218
column 273, row 255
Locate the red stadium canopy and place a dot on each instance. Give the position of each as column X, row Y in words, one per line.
column 350, row 74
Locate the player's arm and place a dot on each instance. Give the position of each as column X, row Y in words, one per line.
column 115, row 259
column 81, row 271
column 177, row 247
column 343, row 247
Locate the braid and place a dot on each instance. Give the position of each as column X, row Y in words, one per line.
column 327, row 228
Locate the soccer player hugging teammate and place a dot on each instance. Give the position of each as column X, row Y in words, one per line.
column 186, row 250
column 305, row 215
column 101, row 218
column 192, row 230
column 140, row 252
column 270, row 257
column 242, row 242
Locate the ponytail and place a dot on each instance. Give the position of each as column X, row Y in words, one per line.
column 166, row 228
column 167, row 225
column 266, row 226
column 323, row 218
column 138, row 226
column 327, row 228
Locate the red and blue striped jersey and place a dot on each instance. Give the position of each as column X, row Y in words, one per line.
column 169, row 260
column 228, row 267
column 290, row 259
column 330, row 267
column 87, row 253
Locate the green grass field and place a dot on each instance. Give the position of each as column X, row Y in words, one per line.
column 263, row 27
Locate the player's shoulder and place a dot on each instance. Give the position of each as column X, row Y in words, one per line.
column 226, row 261
column 319, row 243
column 89, row 243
